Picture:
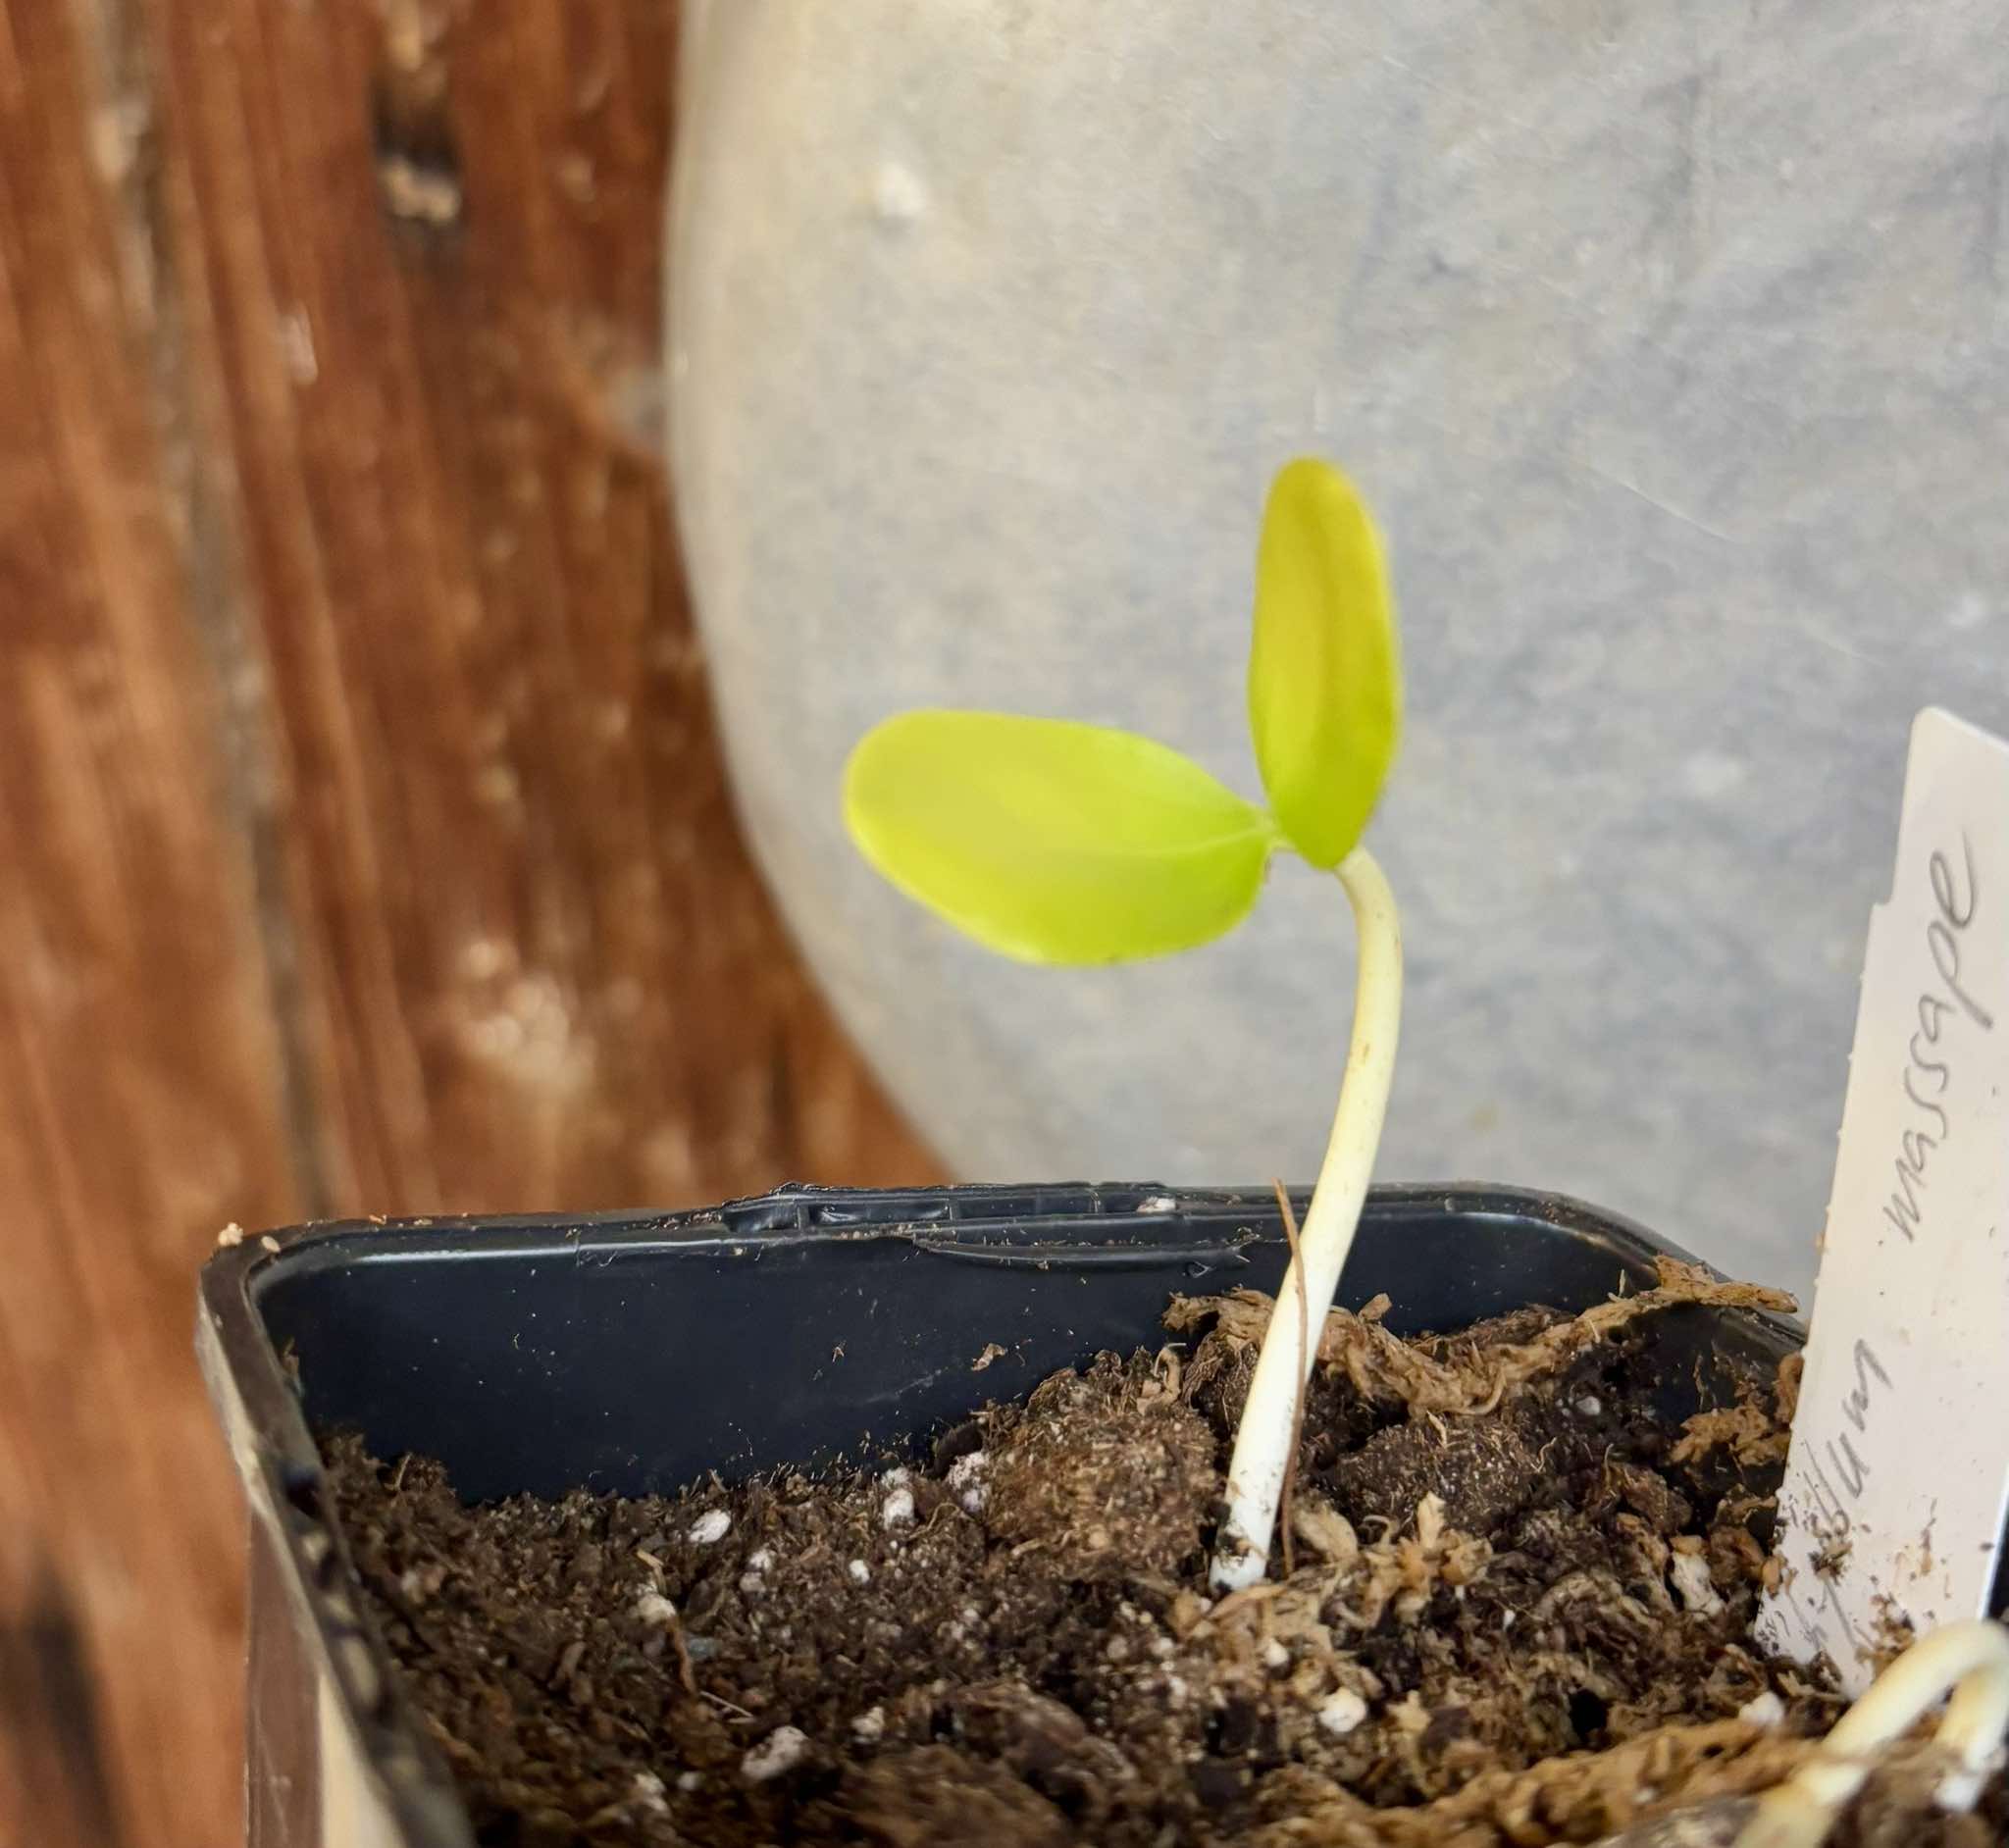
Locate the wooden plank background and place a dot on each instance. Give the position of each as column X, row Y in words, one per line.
column 363, row 843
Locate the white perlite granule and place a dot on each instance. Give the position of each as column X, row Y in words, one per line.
column 1762, row 1710
column 966, row 1480
column 648, row 1791
column 652, row 1607
column 1342, row 1711
column 782, row 1750
column 1690, row 1573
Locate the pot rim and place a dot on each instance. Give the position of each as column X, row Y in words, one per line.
column 1089, row 1227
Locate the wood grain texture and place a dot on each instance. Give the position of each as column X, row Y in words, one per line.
column 363, row 839
column 532, row 963
column 139, row 1073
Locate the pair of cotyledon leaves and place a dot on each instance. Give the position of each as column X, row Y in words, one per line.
column 1059, row 843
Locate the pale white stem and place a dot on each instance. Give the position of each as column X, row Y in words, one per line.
column 1262, row 1442
column 1969, row 1659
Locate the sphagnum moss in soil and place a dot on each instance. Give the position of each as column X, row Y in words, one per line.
column 1518, row 1611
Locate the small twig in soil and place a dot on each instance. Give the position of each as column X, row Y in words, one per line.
column 1290, row 1463
column 662, row 1611
column 1806, row 1691
column 1247, row 1598
column 731, row 1707
column 686, row 1675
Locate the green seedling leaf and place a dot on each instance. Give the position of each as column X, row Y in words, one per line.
column 1053, row 841
column 1325, row 677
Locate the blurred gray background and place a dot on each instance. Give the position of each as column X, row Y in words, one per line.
column 1668, row 342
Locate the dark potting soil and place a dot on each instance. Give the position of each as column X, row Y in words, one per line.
column 1517, row 1611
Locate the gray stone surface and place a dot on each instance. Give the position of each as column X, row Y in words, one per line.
column 1669, row 342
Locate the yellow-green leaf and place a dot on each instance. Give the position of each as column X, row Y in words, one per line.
column 1053, row 841
column 1325, row 675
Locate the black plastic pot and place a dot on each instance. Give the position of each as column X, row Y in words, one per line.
column 634, row 1353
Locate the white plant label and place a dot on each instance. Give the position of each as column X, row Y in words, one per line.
column 1895, row 1490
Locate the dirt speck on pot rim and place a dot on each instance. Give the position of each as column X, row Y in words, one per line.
column 1513, row 1620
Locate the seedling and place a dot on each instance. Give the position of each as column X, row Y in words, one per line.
column 1064, row 844
column 1969, row 1661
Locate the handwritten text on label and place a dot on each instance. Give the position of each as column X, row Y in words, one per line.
column 1896, row 1485
column 1953, row 915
